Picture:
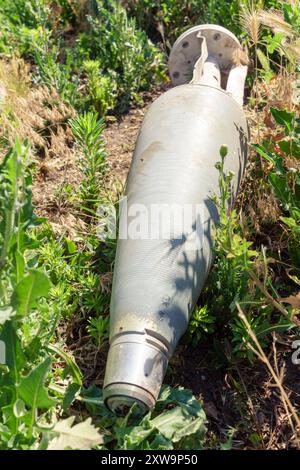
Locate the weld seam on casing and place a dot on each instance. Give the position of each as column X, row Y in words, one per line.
column 146, row 338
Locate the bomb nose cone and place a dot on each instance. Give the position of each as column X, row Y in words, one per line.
column 119, row 398
column 137, row 364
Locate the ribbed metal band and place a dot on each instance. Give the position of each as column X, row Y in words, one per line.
column 136, row 366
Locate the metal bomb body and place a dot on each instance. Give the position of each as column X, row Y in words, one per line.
column 157, row 280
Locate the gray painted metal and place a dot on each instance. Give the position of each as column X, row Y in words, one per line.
column 158, row 281
column 220, row 43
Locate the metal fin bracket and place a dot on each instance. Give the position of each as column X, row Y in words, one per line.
column 206, row 55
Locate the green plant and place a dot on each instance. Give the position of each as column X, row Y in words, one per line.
column 117, row 58
column 98, row 329
column 201, row 323
column 284, row 176
column 56, row 75
column 234, row 255
column 30, row 13
column 87, row 130
column 167, row 19
column 55, row 276
column 23, row 24
column 121, row 47
column 28, row 316
column 228, row 238
column 177, row 422
column 282, row 46
column 272, row 35
column 23, row 392
column 233, row 279
column 102, row 89
column 26, row 326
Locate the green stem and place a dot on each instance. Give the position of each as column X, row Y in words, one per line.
column 8, row 231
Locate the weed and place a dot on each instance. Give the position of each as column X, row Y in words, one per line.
column 201, row 323
column 234, row 279
column 284, row 175
column 23, row 392
column 98, row 329
column 102, row 89
column 165, row 428
column 87, row 131
column 62, row 59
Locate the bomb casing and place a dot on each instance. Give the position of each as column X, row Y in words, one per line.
column 158, row 276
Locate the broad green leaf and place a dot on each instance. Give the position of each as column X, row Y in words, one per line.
column 291, row 223
column 290, row 148
column 283, row 118
column 274, row 42
column 161, row 443
column 71, row 246
column 165, row 393
column 14, row 356
column 20, row 265
column 172, row 421
column 182, row 397
column 34, row 347
column 73, row 368
column 268, row 156
column 281, row 189
column 8, row 417
column 70, row 395
column 82, row 436
column 133, row 436
column 194, row 426
column 26, row 293
column 32, row 389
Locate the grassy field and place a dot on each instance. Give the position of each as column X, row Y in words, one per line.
column 76, row 78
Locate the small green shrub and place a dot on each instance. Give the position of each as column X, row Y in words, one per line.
column 201, row 323
column 120, row 47
column 101, row 89
column 231, row 281
column 56, row 75
column 24, row 287
column 98, row 329
column 87, row 130
column 167, row 19
column 24, row 24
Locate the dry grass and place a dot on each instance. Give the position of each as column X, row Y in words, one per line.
column 250, row 20
column 278, row 377
column 34, row 113
column 38, row 114
column 290, row 43
column 258, row 205
column 274, row 20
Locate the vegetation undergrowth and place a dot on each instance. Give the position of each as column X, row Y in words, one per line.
column 68, row 69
